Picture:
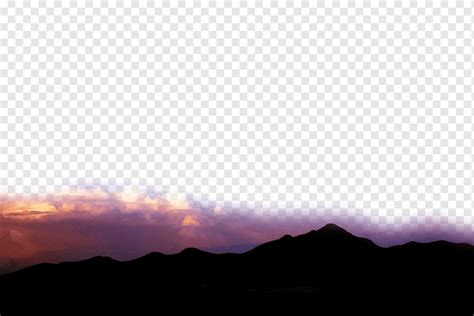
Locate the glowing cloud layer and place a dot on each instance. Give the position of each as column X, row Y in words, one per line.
column 85, row 223
column 92, row 222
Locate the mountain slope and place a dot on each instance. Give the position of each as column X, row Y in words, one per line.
column 328, row 270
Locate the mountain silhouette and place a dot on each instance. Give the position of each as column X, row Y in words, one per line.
column 326, row 271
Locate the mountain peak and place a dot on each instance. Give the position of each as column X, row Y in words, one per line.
column 191, row 251
column 286, row 237
column 99, row 259
column 332, row 228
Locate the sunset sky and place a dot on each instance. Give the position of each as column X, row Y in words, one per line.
column 133, row 126
column 87, row 223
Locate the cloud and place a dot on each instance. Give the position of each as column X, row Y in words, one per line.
column 91, row 202
column 86, row 223
column 81, row 224
column 190, row 220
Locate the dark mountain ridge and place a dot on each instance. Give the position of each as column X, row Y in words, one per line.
column 327, row 271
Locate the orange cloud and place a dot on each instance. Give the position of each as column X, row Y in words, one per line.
column 30, row 209
column 190, row 220
column 92, row 202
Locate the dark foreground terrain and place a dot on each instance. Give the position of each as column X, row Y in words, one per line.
column 328, row 271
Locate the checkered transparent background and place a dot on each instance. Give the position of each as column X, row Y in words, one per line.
column 357, row 107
